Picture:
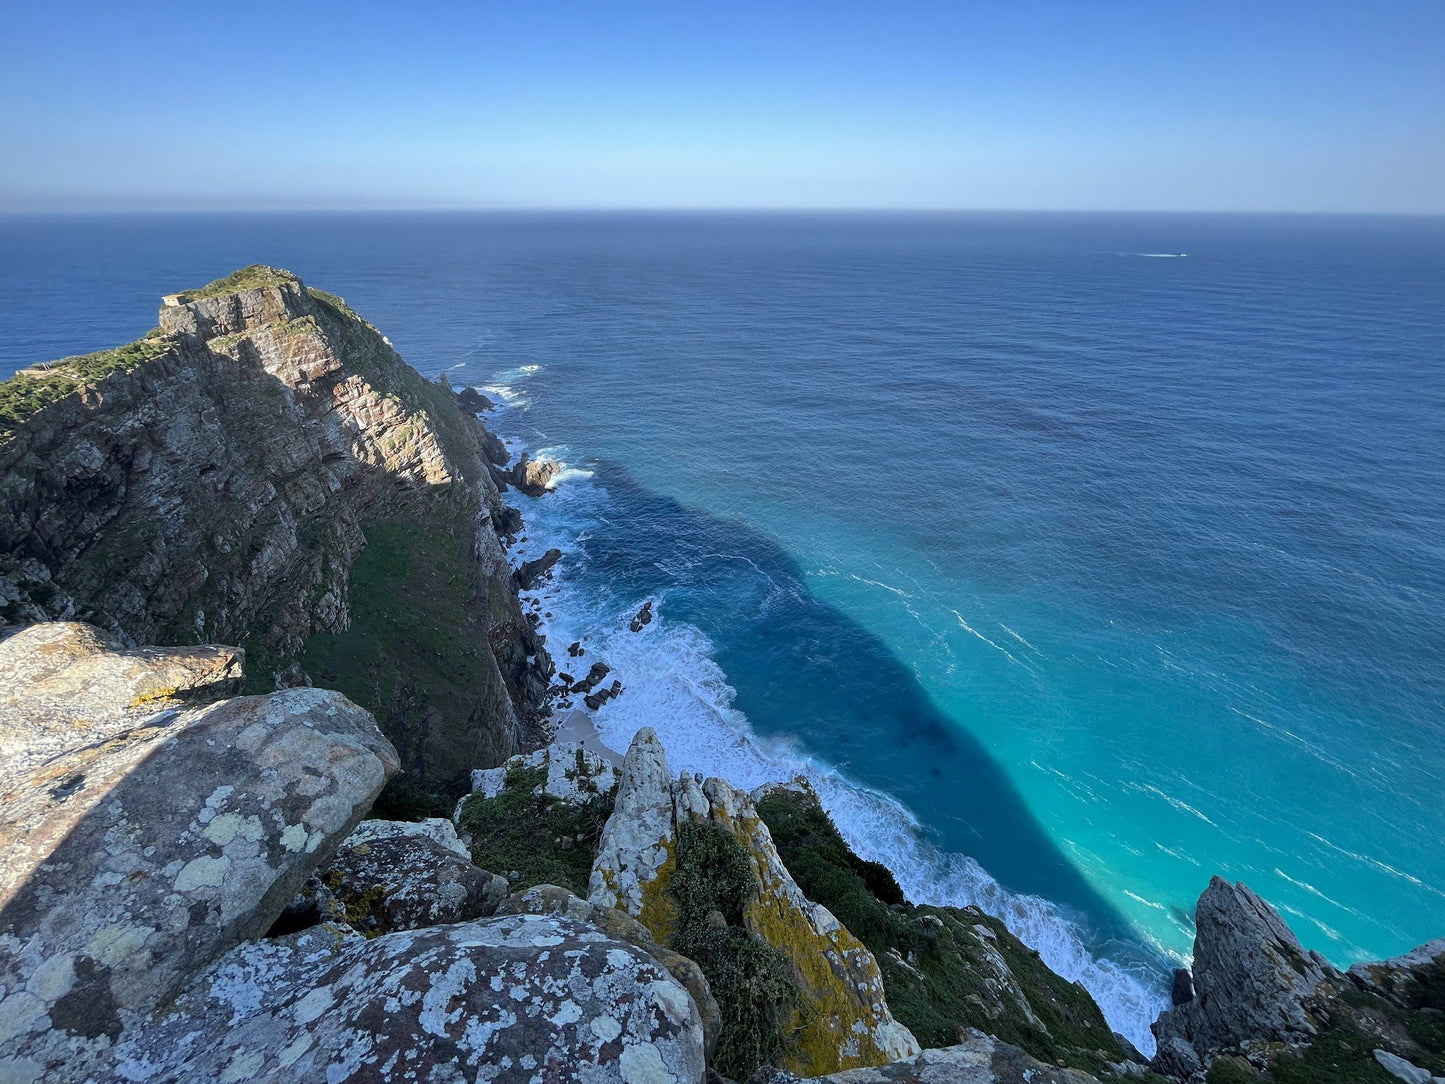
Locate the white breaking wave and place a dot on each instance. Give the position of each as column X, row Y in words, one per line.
column 673, row 683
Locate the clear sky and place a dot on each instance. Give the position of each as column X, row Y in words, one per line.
column 1089, row 104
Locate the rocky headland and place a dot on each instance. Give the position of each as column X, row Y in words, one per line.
column 346, row 847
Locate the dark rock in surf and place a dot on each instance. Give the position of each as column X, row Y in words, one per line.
column 532, row 571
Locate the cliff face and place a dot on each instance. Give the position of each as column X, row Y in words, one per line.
column 264, row 469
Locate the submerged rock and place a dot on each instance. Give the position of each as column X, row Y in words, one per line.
column 509, row 999
column 643, row 617
column 979, row 1059
column 140, row 844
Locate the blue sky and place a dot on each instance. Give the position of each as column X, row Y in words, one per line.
column 1157, row 105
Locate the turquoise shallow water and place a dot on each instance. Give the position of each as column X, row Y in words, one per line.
column 1072, row 573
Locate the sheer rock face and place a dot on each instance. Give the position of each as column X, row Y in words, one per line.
column 143, row 836
column 979, row 1059
column 222, row 491
column 845, row 1021
column 1252, row 978
column 510, row 999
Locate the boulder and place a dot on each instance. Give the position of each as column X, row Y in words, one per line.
column 530, row 572
column 1252, row 978
column 140, row 844
column 397, row 875
column 473, row 401
column 534, row 477
column 510, row 999
column 979, row 1059
column 594, row 677
column 507, row 521
column 643, row 617
column 842, row 1019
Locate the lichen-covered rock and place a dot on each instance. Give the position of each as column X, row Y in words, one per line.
column 512, row 999
column 155, row 840
column 552, row 900
column 979, row 1059
column 397, row 875
column 843, row 1018
column 1252, row 978
column 226, row 481
column 573, row 773
column 635, row 856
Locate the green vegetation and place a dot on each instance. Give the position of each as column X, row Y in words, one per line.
column 31, row 390
column 1232, row 1071
column 1342, row 1054
column 416, row 654
column 248, row 278
column 713, row 882
column 534, row 839
column 936, row 960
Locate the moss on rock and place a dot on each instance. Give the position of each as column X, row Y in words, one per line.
column 944, row 968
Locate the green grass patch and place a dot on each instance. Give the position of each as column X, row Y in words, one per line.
column 30, row 391
column 712, row 883
column 534, row 839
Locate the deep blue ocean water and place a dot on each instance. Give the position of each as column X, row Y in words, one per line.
column 1072, row 573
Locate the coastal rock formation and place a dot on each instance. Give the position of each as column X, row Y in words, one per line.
column 979, row 1059
column 264, row 469
column 945, row 969
column 534, row 477
column 1266, row 1009
column 567, row 771
column 674, row 853
column 529, row 572
column 1252, row 978
column 507, row 1000
column 142, row 836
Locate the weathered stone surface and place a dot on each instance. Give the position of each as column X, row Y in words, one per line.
column 157, row 839
column 398, row 875
column 534, row 477
column 575, row 774
column 1405, row 977
column 1404, row 1070
column 512, row 999
column 552, row 900
column 979, row 1059
column 844, row 1020
column 1252, row 978
column 223, row 490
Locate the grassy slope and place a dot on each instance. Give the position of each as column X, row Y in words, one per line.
column 942, row 983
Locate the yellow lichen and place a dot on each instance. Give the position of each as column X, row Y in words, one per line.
column 659, row 911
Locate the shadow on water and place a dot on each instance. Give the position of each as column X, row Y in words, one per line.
column 805, row 671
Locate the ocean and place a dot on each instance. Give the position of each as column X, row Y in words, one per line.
column 1075, row 558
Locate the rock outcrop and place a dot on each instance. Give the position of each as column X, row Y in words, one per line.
column 672, row 849
column 265, row 470
column 1264, row 1008
column 143, row 837
column 534, row 477
column 1252, row 978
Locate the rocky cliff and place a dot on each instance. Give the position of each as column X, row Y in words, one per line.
column 264, row 469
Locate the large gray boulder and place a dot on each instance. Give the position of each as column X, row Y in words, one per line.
column 1252, row 977
column 500, row 1000
column 141, row 836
